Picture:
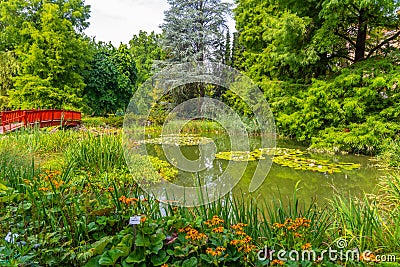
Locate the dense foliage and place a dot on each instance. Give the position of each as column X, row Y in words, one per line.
column 110, row 79
column 329, row 69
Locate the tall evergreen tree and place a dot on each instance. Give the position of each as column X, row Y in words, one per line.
column 228, row 50
column 194, row 30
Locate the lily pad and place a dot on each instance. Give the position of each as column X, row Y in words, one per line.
column 287, row 157
column 178, row 140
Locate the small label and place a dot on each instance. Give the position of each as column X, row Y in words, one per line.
column 134, row 220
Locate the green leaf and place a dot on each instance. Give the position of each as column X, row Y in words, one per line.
column 137, row 256
column 100, row 245
column 110, row 257
column 192, row 262
column 125, row 245
column 142, row 240
column 94, row 262
column 206, row 258
column 160, row 258
column 3, row 187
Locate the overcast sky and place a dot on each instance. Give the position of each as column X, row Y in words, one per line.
column 118, row 20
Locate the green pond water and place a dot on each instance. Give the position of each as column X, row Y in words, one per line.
column 281, row 181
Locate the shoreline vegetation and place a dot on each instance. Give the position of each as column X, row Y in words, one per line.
column 66, row 197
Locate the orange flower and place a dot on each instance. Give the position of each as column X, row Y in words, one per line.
column 214, row 221
column 278, row 225
column 240, row 233
column 127, row 200
column 247, row 239
column 218, row 251
column 44, row 189
column 57, row 184
column 164, row 265
column 194, row 235
column 234, row 242
column 218, row 229
column 239, row 226
column 297, row 235
column 278, row 262
column 306, row 246
column 143, row 219
column 247, row 248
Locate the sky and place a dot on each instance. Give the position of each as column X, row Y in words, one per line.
column 118, row 20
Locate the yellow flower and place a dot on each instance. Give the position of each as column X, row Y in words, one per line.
column 194, row 234
column 44, row 189
column 247, row 239
column 306, row 246
column 278, row 262
column 240, row 233
column 127, row 200
column 239, row 226
column 216, row 252
column 214, row 221
column 220, row 249
column 218, row 229
column 278, row 225
column 297, row 235
column 247, row 248
column 234, row 242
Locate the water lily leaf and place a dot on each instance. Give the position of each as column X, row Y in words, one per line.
column 178, row 140
column 287, row 157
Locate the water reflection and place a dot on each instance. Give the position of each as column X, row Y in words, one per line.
column 280, row 181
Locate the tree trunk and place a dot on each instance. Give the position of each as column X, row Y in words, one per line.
column 361, row 37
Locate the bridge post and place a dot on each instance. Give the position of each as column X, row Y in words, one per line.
column 2, row 122
column 25, row 119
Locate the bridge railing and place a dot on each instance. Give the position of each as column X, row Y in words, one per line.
column 43, row 118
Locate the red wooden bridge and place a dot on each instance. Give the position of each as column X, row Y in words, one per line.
column 13, row 120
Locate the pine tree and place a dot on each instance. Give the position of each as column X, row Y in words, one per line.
column 194, row 30
column 228, row 51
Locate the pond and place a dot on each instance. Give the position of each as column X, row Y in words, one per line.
column 348, row 175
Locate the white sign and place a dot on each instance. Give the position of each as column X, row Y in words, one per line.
column 134, row 220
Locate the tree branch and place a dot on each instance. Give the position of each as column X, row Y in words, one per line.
column 383, row 43
column 341, row 56
column 347, row 38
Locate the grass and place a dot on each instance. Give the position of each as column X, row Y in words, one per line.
column 65, row 209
